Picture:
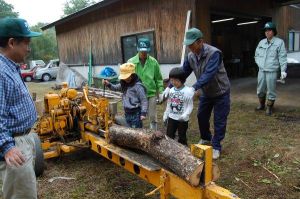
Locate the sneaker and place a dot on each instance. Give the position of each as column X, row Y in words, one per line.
column 216, row 154
column 204, row 142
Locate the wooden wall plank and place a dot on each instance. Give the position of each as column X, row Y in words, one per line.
column 106, row 26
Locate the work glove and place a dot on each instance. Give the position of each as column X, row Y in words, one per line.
column 166, row 93
column 283, row 75
column 165, row 117
column 160, row 98
column 192, row 92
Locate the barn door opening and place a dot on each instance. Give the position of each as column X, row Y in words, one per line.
column 237, row 36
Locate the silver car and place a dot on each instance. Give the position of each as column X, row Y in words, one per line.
column 47, row 72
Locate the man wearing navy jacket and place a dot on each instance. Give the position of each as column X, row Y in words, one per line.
column 213, row 84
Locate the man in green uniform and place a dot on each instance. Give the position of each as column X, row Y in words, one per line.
column 148, row 70
column 271, row 57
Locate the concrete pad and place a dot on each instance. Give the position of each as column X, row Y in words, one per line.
column 288, row 94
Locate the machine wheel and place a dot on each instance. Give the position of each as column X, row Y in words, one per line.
column 39, row 164
column 46, row 77
column 28, row 79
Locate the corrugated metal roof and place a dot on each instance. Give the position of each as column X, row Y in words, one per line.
column 84, row 11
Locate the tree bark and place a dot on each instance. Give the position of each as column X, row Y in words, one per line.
column 167, row 151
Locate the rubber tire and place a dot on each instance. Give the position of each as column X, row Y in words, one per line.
column 28, row 79
column 39, row 164
column 46, row 77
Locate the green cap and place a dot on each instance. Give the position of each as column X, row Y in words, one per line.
column 16, row 27
column 143, row 45
column 192, row 35
column 270, row 25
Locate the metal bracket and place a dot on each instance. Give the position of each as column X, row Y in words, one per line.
column 163, row 188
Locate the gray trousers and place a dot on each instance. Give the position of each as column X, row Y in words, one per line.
column 152, row 113
column 20, row 182
column 266, row 85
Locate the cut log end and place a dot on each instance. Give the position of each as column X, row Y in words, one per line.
column 194, row 178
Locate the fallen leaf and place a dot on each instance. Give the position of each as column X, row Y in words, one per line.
column 276, row 155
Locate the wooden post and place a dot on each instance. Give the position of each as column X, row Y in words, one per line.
column 187, row 23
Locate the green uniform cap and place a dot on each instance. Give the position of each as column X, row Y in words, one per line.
column 270, row 25
column 192, row 35
column 143, row 45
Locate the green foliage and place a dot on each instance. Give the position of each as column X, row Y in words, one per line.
column 45, row 46
column 72, row 6
column 6, row 10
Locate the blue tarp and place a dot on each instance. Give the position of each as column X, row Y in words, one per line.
column 108, row 73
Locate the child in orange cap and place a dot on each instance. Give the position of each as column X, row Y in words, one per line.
column 134, row 97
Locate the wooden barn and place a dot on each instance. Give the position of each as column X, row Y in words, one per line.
column 111, row 29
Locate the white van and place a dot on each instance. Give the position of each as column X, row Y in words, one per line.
column 48, row 72
column 34, row 63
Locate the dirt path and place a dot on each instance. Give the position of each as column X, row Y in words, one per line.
column 288, row 94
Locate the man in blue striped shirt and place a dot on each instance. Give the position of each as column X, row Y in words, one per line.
column 17, row 112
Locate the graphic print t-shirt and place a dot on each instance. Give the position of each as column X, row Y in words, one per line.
column 179, row 103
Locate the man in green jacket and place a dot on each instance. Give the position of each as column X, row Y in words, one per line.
column 148, row 70
column 271, row 57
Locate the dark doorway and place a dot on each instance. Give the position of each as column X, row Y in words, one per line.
column 237, row 36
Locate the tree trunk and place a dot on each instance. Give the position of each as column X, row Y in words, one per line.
column 167, row 151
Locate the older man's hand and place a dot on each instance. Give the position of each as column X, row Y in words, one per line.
column 14, row 157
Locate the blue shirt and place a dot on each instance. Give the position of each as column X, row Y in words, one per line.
column 17, row 109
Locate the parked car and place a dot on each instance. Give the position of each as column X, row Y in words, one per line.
column 48, row 72
column 34, row 63
column 27, row 75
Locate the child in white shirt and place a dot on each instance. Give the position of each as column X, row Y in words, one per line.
column 179, row 106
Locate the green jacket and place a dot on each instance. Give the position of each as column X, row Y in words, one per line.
column 271, row 56
column 149, row 74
